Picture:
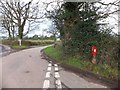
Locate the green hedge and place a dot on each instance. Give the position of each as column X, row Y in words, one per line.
column 104, row 70
column 26, row 43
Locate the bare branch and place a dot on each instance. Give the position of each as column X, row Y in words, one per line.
column 18, row 13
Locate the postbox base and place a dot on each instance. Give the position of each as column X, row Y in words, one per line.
column 94, row 60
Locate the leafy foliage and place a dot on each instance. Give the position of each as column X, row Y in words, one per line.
column 103, row 70
column 80, row 29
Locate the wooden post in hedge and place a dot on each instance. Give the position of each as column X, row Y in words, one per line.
column 20, row 42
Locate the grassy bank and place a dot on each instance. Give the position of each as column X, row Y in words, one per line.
column 99, row 69
column 14, row 44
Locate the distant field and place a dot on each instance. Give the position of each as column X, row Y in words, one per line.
column 28, row 42
column 0, row 40
column 40, row 40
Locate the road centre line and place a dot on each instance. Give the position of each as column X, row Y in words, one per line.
column 46, row 84
column 49, row 69
column 57, row 75
column 58, row 84
column 56, row 68
column 47, row 75
column 55, row 65
column 49, row 65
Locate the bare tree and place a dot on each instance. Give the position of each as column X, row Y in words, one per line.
column 53, row 31
column 8, row 25
column 19, row 12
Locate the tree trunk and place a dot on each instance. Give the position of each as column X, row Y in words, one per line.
column 13, row 34
column 20, row 32
column 54, row 38
column 21, row 28
column 9, row 34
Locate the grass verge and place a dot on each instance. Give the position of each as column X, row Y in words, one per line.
column 19, row 47
column 103, row 70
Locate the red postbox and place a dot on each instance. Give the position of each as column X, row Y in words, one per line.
column 94, row 51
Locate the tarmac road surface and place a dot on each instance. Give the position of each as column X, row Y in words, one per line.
column 4, row 50
column 1, row 48
column 0, row 66
column 28, row 69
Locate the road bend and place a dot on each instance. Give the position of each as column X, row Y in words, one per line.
column 28, row 69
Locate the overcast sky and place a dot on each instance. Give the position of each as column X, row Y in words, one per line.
column 46, row 24
column 112, row 22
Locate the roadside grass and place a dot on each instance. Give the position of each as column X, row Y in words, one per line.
column 54, row 53
column 99, row 69
column 14, row 44
column 19, row 47
column 40, row 45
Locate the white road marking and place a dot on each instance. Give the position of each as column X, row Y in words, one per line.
column 49, row 69
column 58, row 84
column 56, row 68
column 47, row 75
column 46, row 84
column 55, row 65
column 57, row 75
column 49, row 65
